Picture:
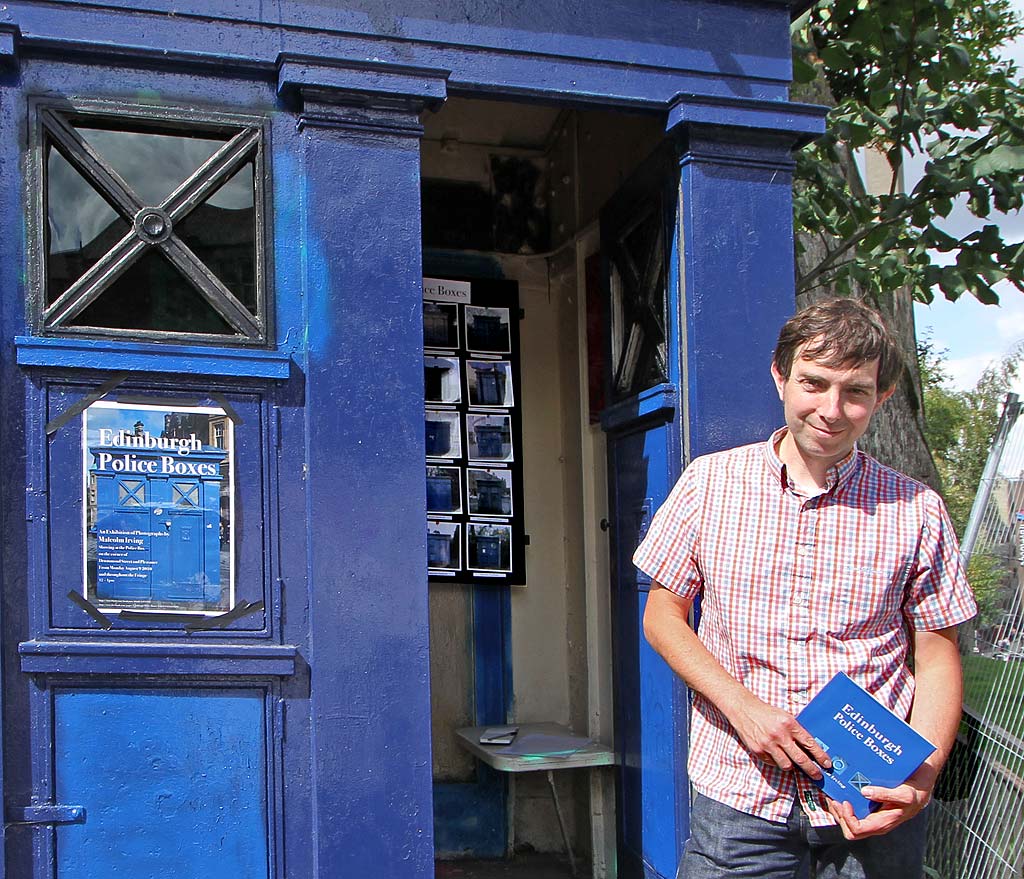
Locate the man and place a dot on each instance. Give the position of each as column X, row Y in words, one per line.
column 810, row 558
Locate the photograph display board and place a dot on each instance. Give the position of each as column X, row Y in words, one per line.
column 475, row 530
column 158, row 484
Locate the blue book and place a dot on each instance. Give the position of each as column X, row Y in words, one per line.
column 868, row 744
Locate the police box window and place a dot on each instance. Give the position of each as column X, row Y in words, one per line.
column 150, row 225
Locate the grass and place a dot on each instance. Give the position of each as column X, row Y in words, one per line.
column 985, row 773
column 994, row 690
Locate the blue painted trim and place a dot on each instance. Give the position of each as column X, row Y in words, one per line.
column 90, row 657
column 803, row 122
column 439, row 263
column 677, row 452
column 9, row 35
column 124, row 356
column 492, row 654
column 658, row 403
column 631, row 66
column 492, row 648
column 469, row 819
column 360, row 80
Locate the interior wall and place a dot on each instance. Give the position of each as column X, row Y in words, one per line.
column 451, row 675
column 545, row 658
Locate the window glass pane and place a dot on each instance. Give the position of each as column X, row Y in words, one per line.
column 222, row 233
column 185, row 495
column 81, row 225
column 153, row 294
column 153, row 165
column 84, row 221
column 131, row 493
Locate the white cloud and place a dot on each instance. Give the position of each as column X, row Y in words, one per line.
column 1010, row 323
column 964, row 372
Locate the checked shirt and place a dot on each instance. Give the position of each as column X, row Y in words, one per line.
column 794, row 589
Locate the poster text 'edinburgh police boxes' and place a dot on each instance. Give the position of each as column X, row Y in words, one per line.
column 158, row 512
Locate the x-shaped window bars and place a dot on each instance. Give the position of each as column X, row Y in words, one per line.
column 152, row 226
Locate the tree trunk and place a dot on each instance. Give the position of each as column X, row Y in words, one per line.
column 896, row 436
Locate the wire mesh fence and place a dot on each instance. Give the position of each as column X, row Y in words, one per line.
column 977, row 823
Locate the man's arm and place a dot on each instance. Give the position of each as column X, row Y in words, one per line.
column 770, row 734
column 936, row 715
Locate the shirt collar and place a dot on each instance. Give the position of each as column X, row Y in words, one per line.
column 838, row 474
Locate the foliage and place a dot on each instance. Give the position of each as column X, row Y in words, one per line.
column 960, row 425
column 916, row 77
column 989, row 577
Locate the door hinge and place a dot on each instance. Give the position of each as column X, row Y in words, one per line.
column 46, row 814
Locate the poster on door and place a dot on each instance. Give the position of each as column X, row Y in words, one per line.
column 158, row 511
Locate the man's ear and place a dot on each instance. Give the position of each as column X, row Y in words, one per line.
column 885, row 395
column 778, row 378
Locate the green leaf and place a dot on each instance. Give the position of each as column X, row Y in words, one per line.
column 1004, row 159
column 803, row 71
column 939, row 239
column 985, row 295
column 958, row 58
column 837, row 57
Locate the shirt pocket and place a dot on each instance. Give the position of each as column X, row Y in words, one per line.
column 862, row 599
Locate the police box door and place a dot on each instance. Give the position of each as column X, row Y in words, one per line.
column 146, row 659
column 638, row 243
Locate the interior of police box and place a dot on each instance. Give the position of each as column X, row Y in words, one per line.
column 518, row 188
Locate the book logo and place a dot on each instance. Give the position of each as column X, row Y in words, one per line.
column 860, row 781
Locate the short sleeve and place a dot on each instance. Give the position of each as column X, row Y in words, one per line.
column 668, row 553
column 938, row 594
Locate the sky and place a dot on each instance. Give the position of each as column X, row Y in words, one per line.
column 976, row 335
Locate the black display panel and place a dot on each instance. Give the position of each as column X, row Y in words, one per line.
column 473, row 428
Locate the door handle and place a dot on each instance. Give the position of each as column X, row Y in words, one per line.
column 47, row 814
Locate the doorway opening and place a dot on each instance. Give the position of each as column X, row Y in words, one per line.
column 515, row 192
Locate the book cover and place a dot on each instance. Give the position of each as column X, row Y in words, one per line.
column 868, row 744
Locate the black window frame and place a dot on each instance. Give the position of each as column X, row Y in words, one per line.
column 248, row 140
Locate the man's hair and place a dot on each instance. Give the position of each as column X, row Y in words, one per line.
column 837, row 333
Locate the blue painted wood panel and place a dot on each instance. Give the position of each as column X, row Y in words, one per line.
column 174, row 783
column 366, row 497
column 644, row 51
column 738, row 282
column 650, row 703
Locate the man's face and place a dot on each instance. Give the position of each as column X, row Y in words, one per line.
column 828, row 409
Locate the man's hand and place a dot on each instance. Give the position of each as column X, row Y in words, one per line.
column 770, row 734
column 899, row 804
column 774, row 736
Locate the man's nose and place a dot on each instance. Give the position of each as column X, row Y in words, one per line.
column 829, row 407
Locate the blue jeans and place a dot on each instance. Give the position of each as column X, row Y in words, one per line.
column 727, row 843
